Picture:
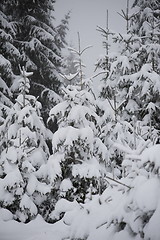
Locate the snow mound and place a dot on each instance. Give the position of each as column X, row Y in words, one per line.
column 152, row 155
column 146, row 195
column 63, row 206
column 5, row 215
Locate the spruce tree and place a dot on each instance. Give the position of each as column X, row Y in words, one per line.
column 131, row 86
column 113, row 94
column 24, row 150
column 145, row 23
column 30, row 38
column 79, row 156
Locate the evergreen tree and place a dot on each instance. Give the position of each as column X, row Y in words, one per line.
column 23, row 151
column 145, row 23
column 130, row 88
column 113, row 95
column 79, row 156
column 78, row 153
column 29, row 38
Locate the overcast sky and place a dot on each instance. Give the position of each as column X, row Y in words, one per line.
column 86, row 15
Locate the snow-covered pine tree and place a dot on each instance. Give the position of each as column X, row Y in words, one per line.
column 145, row 23
column 24, row 150
column 79, row 156
column 135, row 71
column 131, row 90
column 34, row 42
column 113, row 95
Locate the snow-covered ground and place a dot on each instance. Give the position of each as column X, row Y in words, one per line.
column 83, row 221
column 37, row 229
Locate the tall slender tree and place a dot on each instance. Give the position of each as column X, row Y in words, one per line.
column 79, row 156
column 23, row 151
column 132, row 85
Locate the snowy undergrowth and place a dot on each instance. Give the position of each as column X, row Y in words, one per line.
column 125, row 210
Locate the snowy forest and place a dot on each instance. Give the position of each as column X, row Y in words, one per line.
column 79, row 163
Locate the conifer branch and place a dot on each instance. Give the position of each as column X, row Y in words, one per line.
column 118, row 182
column 85, row 49
column 96, row 75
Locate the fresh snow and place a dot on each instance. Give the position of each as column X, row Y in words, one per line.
column 100, row 217
column 101, row 179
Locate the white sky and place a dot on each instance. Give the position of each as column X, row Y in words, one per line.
column 86, row 15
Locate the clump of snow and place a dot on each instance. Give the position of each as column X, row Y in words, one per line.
column 66, row 185
column 37, row 157
column 152, row 156
column 12, row 130
column 5, row 215
column 54, row 168
column 69, row 135
column 152, row 230
column 63, row 206
column 34, row 185
column 146, row 196
column 12, row 179
column 87, row 169
column 27, row 205
column 12, row 154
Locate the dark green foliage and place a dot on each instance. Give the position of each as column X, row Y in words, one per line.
column 28, row 37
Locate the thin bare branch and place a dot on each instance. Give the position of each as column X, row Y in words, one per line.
column 100, row 74
column 118, row 182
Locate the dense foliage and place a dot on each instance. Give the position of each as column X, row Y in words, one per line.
column 97, row 175
column 29, row 38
